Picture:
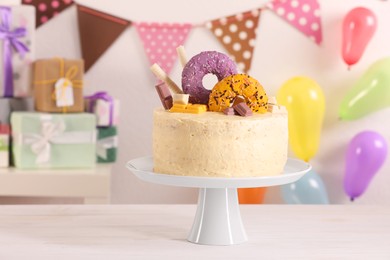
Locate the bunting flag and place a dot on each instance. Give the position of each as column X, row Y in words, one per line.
column 160, row 41
column 237, row 33
column 97, row 32
column 302, row 14
column 47, row 9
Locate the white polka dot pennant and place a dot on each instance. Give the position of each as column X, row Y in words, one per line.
column 302, row 14
column 237, row 33
column 160, row 41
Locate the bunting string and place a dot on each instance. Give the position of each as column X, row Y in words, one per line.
column 236, row 33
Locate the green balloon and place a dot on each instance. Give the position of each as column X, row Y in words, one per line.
column 370, row 93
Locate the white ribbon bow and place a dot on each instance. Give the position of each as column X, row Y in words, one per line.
column 104, row 144
column 40, row 144
column 53, row 133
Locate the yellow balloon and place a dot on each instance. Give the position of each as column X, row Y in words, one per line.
column 305, row 103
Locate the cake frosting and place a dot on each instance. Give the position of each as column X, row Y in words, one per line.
column 213, row 144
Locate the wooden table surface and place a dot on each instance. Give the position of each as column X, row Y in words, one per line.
column 160, row 231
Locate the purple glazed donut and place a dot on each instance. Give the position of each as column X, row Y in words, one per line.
column 198, row 66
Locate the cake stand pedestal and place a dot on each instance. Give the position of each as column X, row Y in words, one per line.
column 217, row 219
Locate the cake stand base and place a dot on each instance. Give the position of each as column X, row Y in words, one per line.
column 217, row 219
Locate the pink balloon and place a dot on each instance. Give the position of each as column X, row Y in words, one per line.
column 365, row 155
column 358, row 28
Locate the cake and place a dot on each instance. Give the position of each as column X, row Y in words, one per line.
column 235, row 130
column 215, row 145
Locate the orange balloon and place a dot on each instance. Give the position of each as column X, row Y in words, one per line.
column 251, row 195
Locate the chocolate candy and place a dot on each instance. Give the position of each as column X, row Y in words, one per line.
column 164, row 95
column 229, row 111
column 238, row 100
column 242, row 109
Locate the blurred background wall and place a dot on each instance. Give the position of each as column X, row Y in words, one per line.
column 281, row 52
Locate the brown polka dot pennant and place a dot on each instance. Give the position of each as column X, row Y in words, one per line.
column 237, row 33
column 47, row 9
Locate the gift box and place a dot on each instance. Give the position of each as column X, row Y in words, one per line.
column 107, row 144
column 58, row 85
column 105, row 107
column 17, row 28
column 42, row 140
column 4, row 145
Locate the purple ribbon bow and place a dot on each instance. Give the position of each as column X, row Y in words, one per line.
column 103, row 96
column 10, row 38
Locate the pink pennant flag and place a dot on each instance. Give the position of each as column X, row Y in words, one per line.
column 160, row 41
column 302, row 14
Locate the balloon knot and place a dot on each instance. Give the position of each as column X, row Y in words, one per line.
column 352, row 199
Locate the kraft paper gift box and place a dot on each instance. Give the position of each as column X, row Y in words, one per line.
column 4, row 145
column 58, row 85
column 42, row 140
column 17, row 29
column 107, row 144
column 105, row 107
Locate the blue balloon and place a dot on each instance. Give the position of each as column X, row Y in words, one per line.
column 310, row 189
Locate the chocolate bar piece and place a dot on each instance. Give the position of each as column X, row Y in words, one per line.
column 168, row 103
column 164, row 95
column 238, row 100
column 229, row 111
column 242, row 109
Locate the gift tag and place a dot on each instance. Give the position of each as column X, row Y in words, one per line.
column 64, row 93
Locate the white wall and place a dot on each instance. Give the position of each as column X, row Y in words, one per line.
column 280, row 53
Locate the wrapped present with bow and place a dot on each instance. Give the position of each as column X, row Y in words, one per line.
column 17, row 28
column 107, row 144
column 58, row 85
column 4, row 145
column 105, row 107
column 42, row 140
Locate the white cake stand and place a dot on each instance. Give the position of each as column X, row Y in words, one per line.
column 217, row 220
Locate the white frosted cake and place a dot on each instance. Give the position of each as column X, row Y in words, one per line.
column 212, row 144
column 233, row 130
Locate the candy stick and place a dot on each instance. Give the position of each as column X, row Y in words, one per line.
column 160, row 73
column 182, row 55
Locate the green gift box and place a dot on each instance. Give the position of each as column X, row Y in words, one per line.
column 107, row 144
column 42, row 140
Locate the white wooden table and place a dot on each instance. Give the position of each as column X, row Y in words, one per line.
column 93, row 185
column 159, row 232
